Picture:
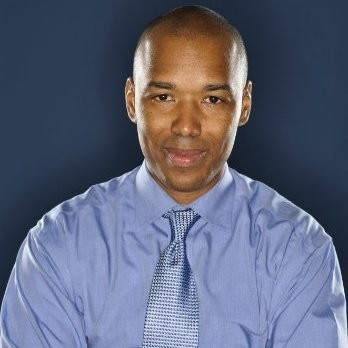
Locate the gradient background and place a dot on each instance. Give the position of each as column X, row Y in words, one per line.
column 64, row 127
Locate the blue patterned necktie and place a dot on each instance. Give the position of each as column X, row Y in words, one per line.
column 172, row 312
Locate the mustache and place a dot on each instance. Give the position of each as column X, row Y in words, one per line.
column 185, row 143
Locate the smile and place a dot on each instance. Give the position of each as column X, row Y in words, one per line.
column 184, row 158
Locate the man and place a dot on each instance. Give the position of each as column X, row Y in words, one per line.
column 182, row 251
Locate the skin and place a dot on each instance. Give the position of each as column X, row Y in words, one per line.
column 187, row 98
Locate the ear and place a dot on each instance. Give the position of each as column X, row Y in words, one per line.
column 246, row 103
column 129, row 93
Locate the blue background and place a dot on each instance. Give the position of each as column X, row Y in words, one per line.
column 64, row 127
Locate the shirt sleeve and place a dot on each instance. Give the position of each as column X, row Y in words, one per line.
column 308, row 300
column 38, row 308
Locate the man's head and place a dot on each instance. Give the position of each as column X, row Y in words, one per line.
column 188, row 95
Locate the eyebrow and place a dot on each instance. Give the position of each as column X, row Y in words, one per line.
column 209, row 87
column 218, row 86
column 162, row 85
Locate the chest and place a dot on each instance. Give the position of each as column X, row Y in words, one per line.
column 224, row 267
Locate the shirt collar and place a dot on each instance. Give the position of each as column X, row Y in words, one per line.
column 215, row 206
column 151, row 201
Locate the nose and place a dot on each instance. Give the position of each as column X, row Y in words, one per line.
column 187, row 121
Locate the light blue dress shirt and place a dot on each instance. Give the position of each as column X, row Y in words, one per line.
column 267, row 274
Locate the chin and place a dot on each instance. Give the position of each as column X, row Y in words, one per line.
column 181, row 183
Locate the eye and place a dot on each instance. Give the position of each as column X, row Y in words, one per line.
column 212, row 100
column 163, row 97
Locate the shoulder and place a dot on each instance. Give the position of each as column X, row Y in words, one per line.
column 277, row 220
column 292, row 250
column 85, row 209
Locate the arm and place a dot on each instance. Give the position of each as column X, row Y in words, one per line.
column 309, row 301
column 38, row 308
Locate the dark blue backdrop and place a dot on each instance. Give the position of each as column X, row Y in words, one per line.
column 63, row 65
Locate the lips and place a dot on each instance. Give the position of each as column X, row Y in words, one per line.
column 184, row 158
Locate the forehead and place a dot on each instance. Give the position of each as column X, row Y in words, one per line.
column 189, row 62
column 194, row 56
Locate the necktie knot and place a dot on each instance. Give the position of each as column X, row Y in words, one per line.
column 181, row 221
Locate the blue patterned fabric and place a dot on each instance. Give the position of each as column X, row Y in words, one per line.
column 172, row 315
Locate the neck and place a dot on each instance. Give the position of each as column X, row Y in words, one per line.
column 186, row 197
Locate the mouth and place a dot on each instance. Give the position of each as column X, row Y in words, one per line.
column 184, row 158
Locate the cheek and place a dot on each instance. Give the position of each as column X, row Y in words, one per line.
column 223, row 133
column 222, row 140
column 151, row 131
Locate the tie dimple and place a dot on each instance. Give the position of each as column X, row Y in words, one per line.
column 172, row 315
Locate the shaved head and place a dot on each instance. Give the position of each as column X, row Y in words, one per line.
column 188, row 95
column 192, row 22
